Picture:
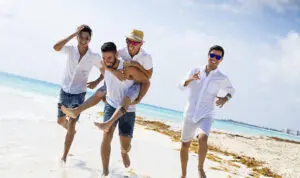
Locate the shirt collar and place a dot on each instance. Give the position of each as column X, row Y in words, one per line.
column 211, row 72
column 86, row 54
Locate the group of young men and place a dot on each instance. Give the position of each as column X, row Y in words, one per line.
column 126, row 74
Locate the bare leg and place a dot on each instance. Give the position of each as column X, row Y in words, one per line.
column 63, row 122
column 117, row 114
column 90, row 102
column 202, row 139
column 69, row 138
column 105, row 149
column 125, row 148
column 184, row 157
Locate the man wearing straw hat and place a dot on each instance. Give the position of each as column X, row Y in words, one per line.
column 133, row 56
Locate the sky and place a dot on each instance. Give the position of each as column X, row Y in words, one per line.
column 261, row 40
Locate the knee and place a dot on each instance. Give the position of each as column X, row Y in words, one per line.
column 202, row 139
column 100, row 94
column 125, row 149
column 185, row 145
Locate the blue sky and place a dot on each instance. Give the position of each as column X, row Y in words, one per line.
column 261, row 39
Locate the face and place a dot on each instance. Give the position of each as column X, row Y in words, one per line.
column 109, row 58
column 214, row 59
column 83, row 39
column 133, row 46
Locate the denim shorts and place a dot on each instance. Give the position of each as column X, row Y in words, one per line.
column 132, row 92
column 69, row 101
column 126, row 122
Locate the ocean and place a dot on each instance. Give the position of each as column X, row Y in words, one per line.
column 34, row 100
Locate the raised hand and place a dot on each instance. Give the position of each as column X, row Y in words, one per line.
column 221, row 101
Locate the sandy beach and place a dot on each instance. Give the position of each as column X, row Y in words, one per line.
column 33, row 149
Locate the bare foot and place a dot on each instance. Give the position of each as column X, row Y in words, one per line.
column 201, row 173
column 72, row 113
column 105, row 126
column 63, row 160
column 126, row 159
column 105, row 173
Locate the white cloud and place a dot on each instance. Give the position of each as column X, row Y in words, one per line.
column 281, row 61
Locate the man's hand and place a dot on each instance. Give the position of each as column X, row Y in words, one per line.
column 221, row 101
column 78, row 30
column 92, row 85
column 126, row 64
column 130, row 63
column 195, row 76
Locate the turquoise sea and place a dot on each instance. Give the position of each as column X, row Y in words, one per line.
column 29, row 99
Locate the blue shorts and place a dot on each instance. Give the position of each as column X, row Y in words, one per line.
column 69, row 101
column 126, row 122
column 132, row 92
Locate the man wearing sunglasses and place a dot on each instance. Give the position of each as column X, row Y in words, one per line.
column 73, row 89
column 204, row 85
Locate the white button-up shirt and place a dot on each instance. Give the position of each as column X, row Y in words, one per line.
column 116, row 89
column 142, row 57
column 203, row 92
column 76, row 74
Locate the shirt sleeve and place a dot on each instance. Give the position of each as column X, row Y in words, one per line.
column 227, row 86
column 97, row 61
column 66, row 49
column 188, row 75
column 147, row 62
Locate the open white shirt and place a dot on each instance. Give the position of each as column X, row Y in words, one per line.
column 203, row 92
column 76, row 74
column 116, row 89
column 142, row 57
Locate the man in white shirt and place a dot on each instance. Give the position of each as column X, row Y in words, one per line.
column 73, row 88
column 204, row 85
column 116, row 90
column 135, row 56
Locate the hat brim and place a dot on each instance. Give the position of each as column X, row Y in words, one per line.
column 134, row 38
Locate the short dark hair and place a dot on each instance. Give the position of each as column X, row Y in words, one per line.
column 217, row 48
column 109, row 47
column 87, row 29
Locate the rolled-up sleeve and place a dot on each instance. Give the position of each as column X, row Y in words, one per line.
column 228, row 87
column 188, row 75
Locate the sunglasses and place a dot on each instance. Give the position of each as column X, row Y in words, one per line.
column 134, row 43
column 218, row 57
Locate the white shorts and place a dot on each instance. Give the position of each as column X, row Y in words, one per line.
column 191, row 129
